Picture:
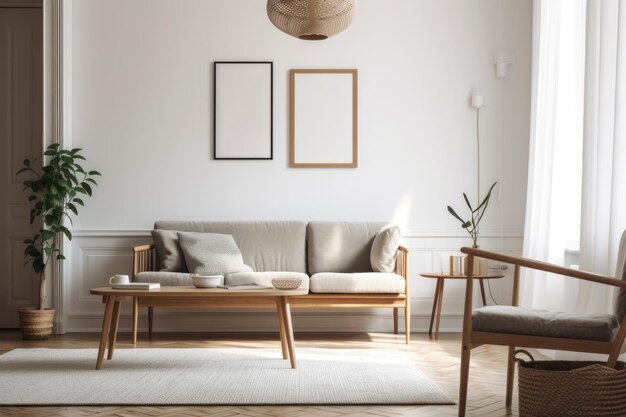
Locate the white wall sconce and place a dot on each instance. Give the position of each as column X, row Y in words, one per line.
column 478, row 100
column 501, row 60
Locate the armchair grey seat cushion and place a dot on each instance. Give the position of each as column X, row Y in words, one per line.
column 357, row 282
column 519, row 320
column 265, row 278
column 166, row 279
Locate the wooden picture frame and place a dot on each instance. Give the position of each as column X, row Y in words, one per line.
column 323, row 118
column 243, row 110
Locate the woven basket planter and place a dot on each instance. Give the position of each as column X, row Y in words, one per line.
column 311, row 19
column 36, row 324
column 568, row 388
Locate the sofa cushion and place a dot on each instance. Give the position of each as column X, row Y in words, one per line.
column 364, row 282
column 166, row 279
column 171, row 258
column 385, row 248
column 265, row 278
column 211, row 253
column 265, row 246
column 519, row 320
column 340, row 246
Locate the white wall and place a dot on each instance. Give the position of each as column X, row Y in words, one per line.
column 142, row 110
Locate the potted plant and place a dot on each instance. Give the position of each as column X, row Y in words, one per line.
column 54, row 192
column 472, row 225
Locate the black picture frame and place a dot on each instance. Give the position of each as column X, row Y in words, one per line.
column 215, row 111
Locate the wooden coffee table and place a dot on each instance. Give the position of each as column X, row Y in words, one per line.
column 207, row 297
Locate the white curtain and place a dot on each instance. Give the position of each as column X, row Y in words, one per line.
column 554, row 189
column 604, row 157
column 597, row 198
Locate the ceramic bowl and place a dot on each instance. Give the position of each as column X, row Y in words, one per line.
column 286, row 283
column 207, row 281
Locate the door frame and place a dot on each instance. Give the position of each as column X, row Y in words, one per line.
column 56, row 115
column 57, row 125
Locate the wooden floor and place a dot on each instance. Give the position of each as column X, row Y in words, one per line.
column 438, row 359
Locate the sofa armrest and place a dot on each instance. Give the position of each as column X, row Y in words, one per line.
column 144, row 259
column 402, row 267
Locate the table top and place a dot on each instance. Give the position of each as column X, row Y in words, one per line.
column 191, row 292
column 448, row 276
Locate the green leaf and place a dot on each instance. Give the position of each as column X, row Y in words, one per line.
column 466, row 225
column 46, row 234
column 79, row 201
column 32, row 198
column 72, row 207
column 94, row 173
column 468, row 202
column 67, row 232
column 91, row 180
column 26, row 162
column 487, row 197
column 87, row 187
column 60, row 257
column 451, row 211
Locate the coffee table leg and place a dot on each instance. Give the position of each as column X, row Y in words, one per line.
column 281, row 327
column 135, row 318
column 106, row 326
column 115, row 321
column 289, row 330
column 150, row 321
column 432, row 315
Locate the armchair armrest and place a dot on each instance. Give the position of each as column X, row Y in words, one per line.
column 544, row 266
column 144, row 259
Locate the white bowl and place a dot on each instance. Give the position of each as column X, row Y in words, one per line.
column 207, row 281
column 286, row 283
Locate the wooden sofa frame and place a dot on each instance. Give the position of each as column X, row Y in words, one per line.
column 145, row 259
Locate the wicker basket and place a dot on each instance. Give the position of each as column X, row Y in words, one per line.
column 569, row 388
column 36, row 324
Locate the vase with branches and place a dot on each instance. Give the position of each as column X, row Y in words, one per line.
column 472, row 224
column 54, row 192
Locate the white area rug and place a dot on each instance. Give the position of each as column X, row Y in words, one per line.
column 213, row 376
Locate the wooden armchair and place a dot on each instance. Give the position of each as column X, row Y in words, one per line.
column 514, row 326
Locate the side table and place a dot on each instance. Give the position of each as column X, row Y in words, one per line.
column 438, row 299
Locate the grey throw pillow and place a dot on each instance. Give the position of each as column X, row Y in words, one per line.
column 168, row 250
column 211, row 253
column 384, row 249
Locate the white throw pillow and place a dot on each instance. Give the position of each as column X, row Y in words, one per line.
column 384, row 249
column 211, row 253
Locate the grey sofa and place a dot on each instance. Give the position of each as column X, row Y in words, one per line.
column 331, row 258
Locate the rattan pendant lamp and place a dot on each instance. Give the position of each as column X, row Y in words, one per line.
column 311, row 19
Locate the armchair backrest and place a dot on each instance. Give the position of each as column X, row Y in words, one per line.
column 619, row 302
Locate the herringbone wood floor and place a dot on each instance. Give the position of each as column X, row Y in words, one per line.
column 438, row 359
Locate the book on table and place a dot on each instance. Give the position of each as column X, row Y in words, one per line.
column 137, row 286
column 245, row 287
